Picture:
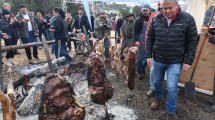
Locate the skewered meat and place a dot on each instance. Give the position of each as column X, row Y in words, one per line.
column 58, row 101
column 100, row 88
column 115, row 59
column 130, row 66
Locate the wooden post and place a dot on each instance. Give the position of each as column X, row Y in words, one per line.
column 47, row 55
column 1, row 77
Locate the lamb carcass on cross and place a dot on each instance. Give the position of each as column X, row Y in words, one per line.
column 129, row 68
column 115, row 59
column 99, row 87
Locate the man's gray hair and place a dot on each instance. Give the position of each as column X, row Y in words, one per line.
column 5, row 4
column 163, row 1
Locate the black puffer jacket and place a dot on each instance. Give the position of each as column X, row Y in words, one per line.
column 174, row 44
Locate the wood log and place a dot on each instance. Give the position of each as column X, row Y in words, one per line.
column 11, row 95
column 44, row 69
column 47, row 55
column 5, row 101
column 14, row 47
column 24, row 80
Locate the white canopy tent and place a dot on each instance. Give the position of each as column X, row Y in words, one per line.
column 198, row 8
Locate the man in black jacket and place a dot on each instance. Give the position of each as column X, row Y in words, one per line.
column 47, row 24
column 172, row 41
column 81, row 21
column 92, row 20
column 119, row 23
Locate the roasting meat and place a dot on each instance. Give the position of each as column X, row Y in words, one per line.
column 58, row 100
column 115, row 59
column 129, row 68
column 100, row 88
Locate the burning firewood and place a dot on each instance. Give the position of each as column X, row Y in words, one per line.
column 99, row 87
column 58, row 100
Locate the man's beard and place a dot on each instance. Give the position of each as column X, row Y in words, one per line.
column 103, row 17
column 131, row 20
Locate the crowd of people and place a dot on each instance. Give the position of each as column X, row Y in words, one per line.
column 167, row 40
column 28, row 27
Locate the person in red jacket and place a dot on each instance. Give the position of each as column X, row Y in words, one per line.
column 151, row 79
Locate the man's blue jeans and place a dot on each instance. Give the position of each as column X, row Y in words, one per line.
column 152, row 77
column 173, row 73
column 141, row 56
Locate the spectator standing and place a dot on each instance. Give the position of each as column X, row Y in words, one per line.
column 103, row 26
column 28, row 30
column 60, row 34
column 172, row 40
column 8, row 25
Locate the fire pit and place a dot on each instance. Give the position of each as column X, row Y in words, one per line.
column 76, row 75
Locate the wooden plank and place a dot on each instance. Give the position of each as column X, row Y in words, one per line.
column 14, row 47
column 204, row 75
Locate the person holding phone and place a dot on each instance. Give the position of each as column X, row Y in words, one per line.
column 9, row 25
column 28, row 30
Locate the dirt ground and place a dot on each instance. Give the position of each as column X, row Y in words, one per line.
column 187, row 109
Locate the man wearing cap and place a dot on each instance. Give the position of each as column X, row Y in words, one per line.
column 127, row 32
column 172, row 41
column 81, row 21
column 139, row 35
column 103, row 26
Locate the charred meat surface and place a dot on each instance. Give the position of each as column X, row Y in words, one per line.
column 58, row 100
column 100, row 88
